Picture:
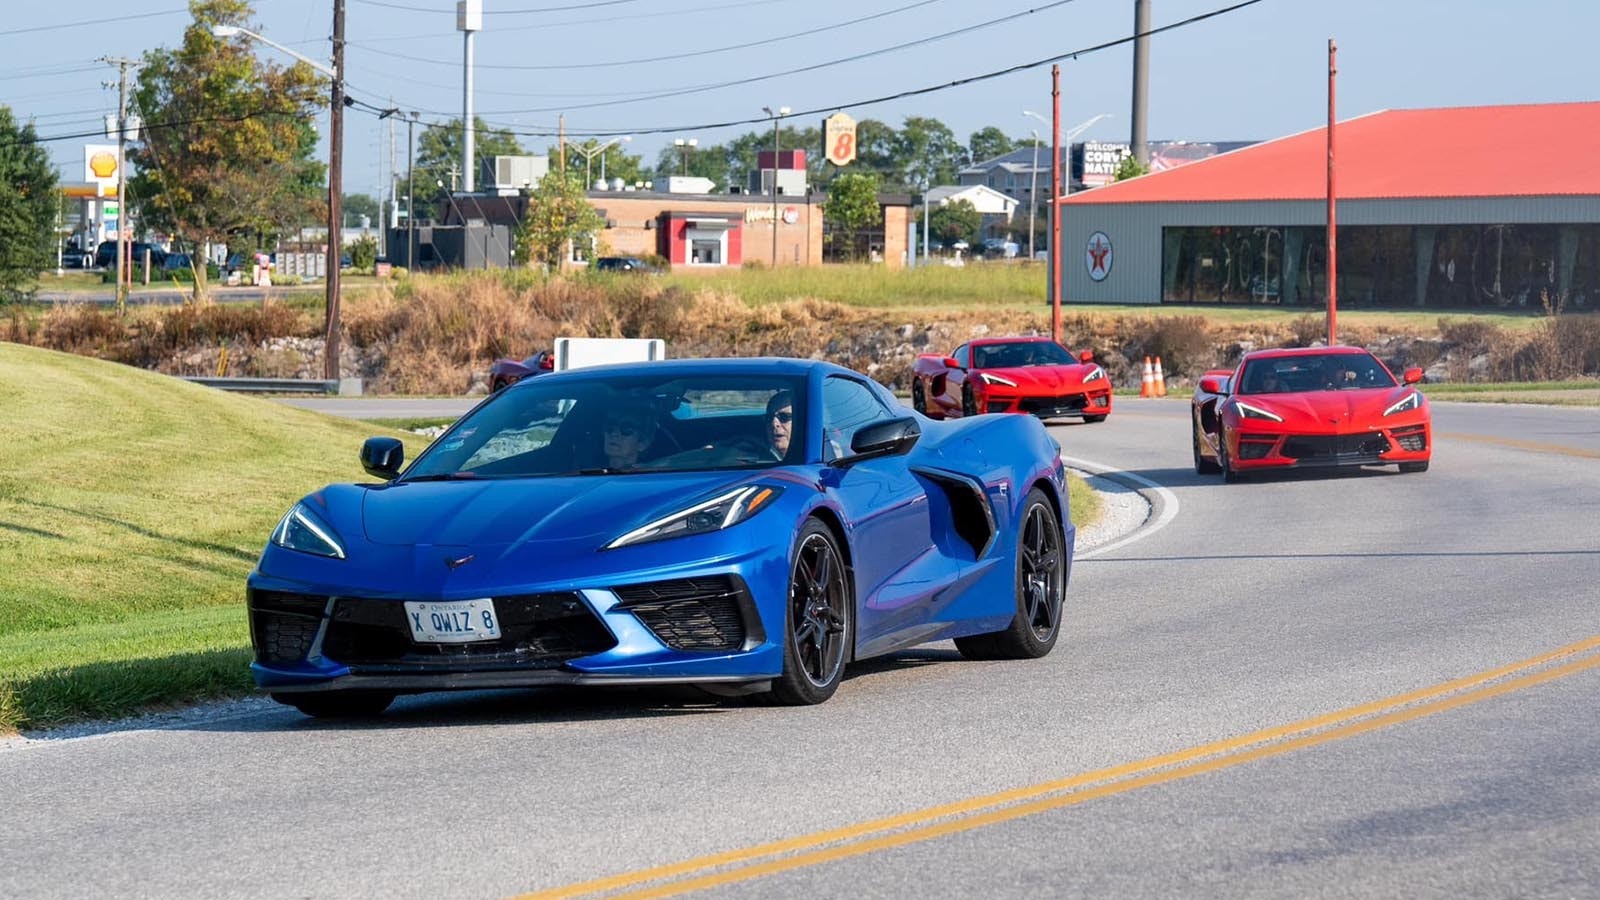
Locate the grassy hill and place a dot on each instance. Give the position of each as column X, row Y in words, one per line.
column 132, row 506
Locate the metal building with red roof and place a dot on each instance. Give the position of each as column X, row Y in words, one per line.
column 1445, row 208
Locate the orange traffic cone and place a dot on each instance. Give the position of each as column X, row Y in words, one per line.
column 1147, row 385
column 1161, row 380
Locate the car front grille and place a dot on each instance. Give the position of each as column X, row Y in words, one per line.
column 1256, row 446
column 1336, row 447
column 712, row 613
column 536, row 630
column 1413, row 438
column 1053, row 405
column 283, row 626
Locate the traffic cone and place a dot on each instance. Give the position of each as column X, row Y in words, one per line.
column 1161, row 380
column 1147, row 385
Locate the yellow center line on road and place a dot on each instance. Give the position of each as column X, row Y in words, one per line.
column 1515, row 443
column 979, row 811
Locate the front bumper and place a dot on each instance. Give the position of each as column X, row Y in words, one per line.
column 1265, row 447
column 1076, row 402
column 701, row 628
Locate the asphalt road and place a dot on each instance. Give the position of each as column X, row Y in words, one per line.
column 1329, row 685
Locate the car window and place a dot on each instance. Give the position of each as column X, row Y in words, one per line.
column 847, row 406
column 963, row 356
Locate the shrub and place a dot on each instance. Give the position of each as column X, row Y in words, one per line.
column 1183, row 342
column 364, row 252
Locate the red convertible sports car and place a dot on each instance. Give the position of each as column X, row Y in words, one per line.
column 506, row 372
column 1033, row 375
column 1319, row 406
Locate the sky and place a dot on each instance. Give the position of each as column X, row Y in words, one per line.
column 1256, row 73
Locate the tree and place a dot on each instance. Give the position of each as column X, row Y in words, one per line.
column 228, row 142
column 615, row 162
column 558, row 214
column 439, row 154
column 928, row 152
column 358, row 205
column 988, row 143
column 1130, row 167
column 27, row 206
column 852, row 205
column 957, row 220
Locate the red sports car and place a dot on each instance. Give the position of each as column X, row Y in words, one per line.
column 1033, row 375
column 506, row 372
column 1319, row 406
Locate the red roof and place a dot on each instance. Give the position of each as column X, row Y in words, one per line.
column 1474, row 151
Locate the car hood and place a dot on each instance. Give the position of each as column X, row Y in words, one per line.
column 1044, row 377
column 501, row 513
column 1330, row 408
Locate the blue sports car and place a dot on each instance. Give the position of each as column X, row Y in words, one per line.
column 746, row 525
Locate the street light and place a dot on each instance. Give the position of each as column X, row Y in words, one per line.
column 330, row 362
column 684, row 146
column 777, row 116
column 589, row 153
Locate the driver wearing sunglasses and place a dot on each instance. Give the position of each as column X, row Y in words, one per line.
column 626, row 435
column 780, row 423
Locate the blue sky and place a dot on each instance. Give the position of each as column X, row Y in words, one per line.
column 1253, row 74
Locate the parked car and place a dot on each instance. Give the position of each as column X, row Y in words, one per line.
column 1033, row 375
column 506, row 372
column 1309, row 407
column 743, row 545
column 176, row 261
column 76, row 258
column 625, row 264
column 105, row 256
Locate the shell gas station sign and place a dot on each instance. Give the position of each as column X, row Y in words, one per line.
column 100, row 167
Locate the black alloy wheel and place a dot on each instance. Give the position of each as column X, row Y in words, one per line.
column 969, row 403
column 919, row 397
column 1224, row 463
column 339, row 704
column 817, row 632
column 1040, row 588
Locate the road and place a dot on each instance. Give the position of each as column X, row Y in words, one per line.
column 1340, row 685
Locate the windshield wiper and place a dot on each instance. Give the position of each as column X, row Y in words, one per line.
column 444, row 476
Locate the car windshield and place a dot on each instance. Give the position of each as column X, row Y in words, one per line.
column 1318, row 372
column 1021, row 353
column 583, row 425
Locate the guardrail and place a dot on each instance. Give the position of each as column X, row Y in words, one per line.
column 268, row 385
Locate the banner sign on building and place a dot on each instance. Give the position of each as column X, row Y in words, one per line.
column 839, row 139
column 1094, row 163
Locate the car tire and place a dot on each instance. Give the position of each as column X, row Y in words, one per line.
column 1040, row 588
column 1229, row 474
column 818, row 621
column 919, row 397
column 969, row 403
column 339, row 704
column 1202, row 466
column 1410, row 467
column 1091, row 420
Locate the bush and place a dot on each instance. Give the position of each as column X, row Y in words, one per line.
column 364, row 252
column 1183, row 342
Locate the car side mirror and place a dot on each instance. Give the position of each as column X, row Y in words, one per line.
column 382, row 457
column 1086, row 357
column 1412, row 375
column 950, row 361
column 889, row 438
column 1214, row 384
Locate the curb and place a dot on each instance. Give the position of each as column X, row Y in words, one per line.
column 1135, row 507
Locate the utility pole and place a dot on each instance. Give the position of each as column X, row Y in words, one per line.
column 1141, row 80
column 777, row 116
column 411, row 187
column 1055, row 203
column 330, row 362
column 469, row 21
column 124, row 249
column 1333, row 242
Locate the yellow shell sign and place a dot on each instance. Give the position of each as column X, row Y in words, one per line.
column 103, row 165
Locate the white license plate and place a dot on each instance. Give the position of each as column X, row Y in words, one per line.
column 453, row 621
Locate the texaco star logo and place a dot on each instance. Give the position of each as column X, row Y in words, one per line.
column 1097, row 256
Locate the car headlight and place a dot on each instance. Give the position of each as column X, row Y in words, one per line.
column 1256, row 412
column 996, row 379
column 303, row 530
column 1411, row 401
column 715, row 514
column 1095, row 374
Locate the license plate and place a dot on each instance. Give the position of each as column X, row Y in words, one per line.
column 452, row 622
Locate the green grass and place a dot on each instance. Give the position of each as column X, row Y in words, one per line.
column 1555, row 393
column 132, row 506
column 1084, row 506
column 987, row 285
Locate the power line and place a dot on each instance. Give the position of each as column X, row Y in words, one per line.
column 689, row 55
column 171, row 123
column 93, row 22
column 48, row 72
column 499, row 12
column 700, row 89
column 914, row 92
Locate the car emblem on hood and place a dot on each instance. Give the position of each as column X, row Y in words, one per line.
column 458, row 563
